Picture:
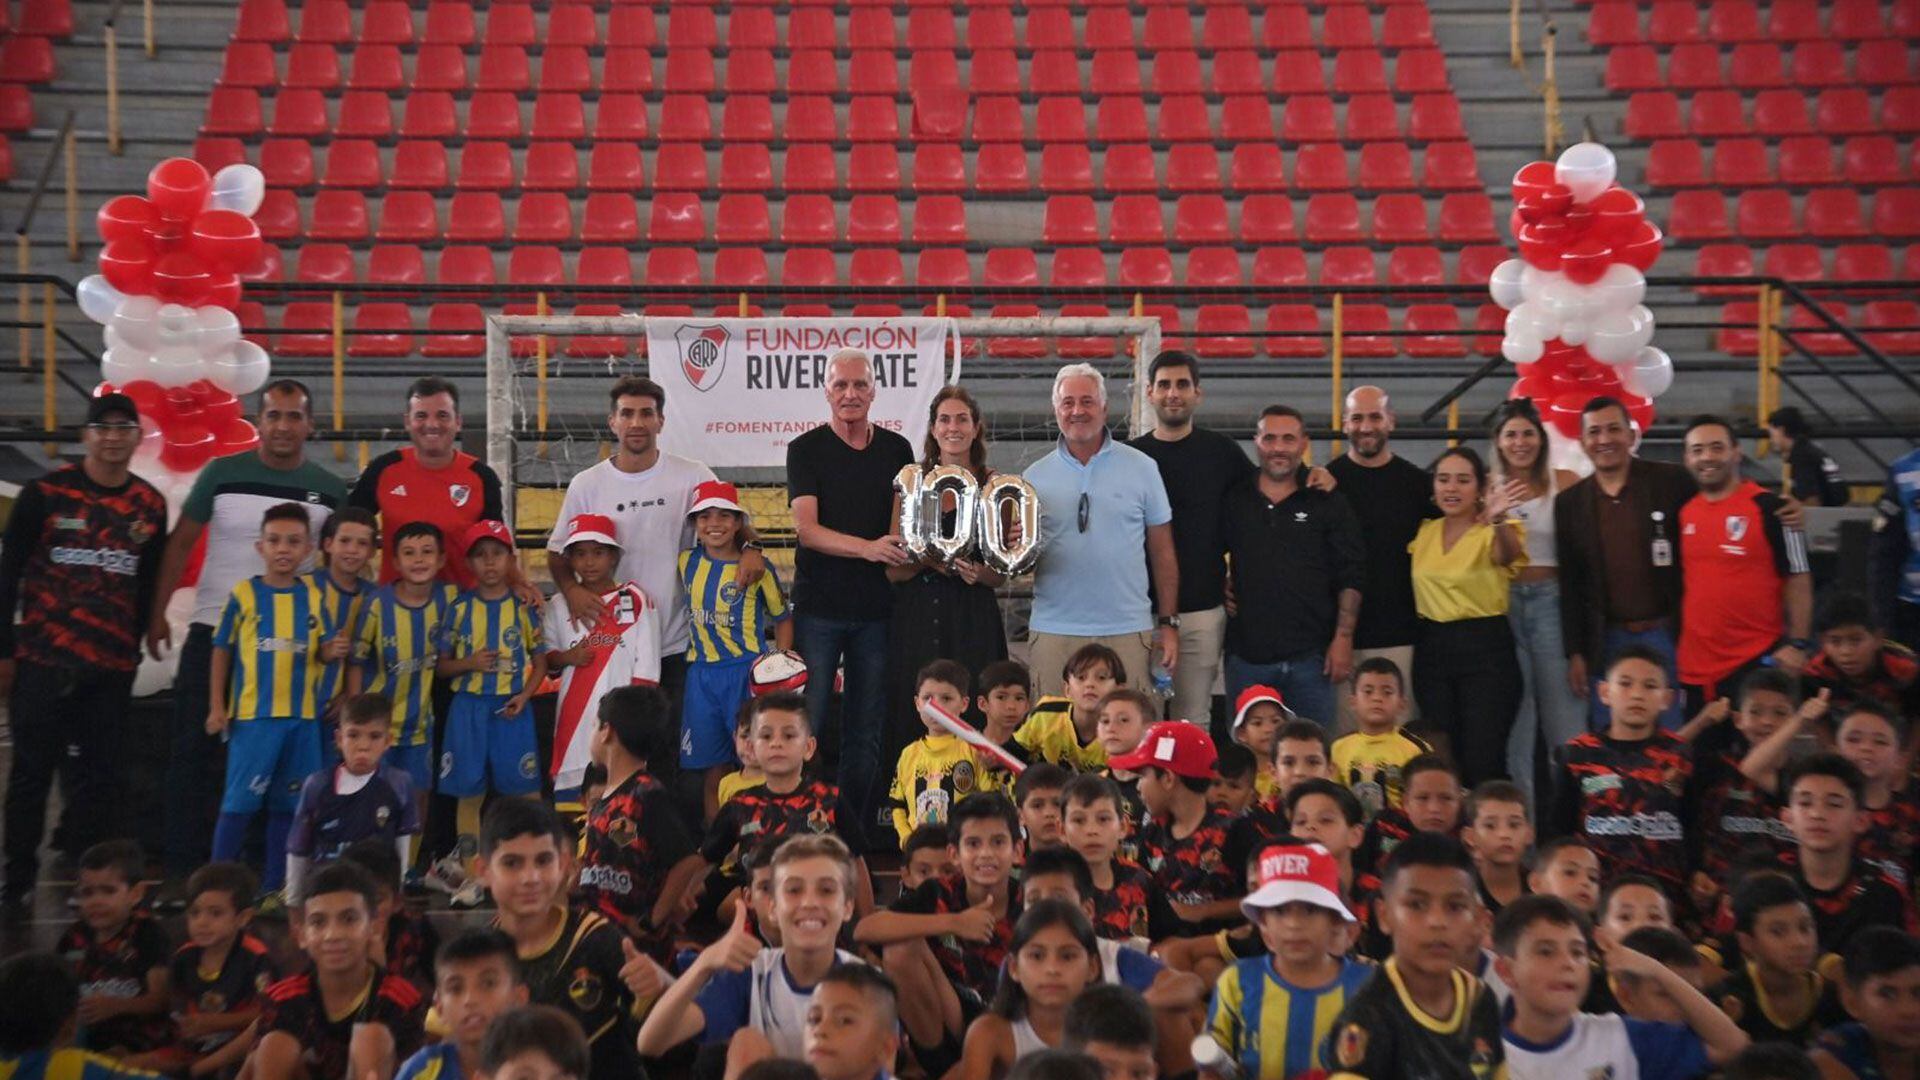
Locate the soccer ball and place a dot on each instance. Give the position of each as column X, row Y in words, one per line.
column 777, row 671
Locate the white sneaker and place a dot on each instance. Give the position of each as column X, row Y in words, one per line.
column 448, row 874
column 471, row 895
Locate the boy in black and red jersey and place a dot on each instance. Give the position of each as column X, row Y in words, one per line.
column 944, row 942
column 1622, row 789
column 1732, row 813
column 638, row 858
column 787, row 801
column 1856, row 662
column 1185, row 842
column 346, row 1016
column 1432, row 800
column 219, row 977
column 1847, row 893
column 1328, row 813
column 120, row 954
column 1125, row 903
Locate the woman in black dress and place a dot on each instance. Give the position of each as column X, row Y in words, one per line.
column 943, row 611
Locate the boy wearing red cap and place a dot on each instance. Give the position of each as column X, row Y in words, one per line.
column 1272, row 1013
column 1186, row 837
column 1258, row 714
column 622, row 649
column 493, row 655
column 729, row 628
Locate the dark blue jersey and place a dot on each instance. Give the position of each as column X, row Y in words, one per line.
column 325, row 821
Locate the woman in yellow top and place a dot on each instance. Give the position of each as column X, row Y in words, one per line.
column 1466, row 676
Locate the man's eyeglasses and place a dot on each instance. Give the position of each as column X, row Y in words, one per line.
column 123, row 427
column 1086, row 511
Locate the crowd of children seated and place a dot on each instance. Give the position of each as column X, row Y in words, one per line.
column 1083, row 889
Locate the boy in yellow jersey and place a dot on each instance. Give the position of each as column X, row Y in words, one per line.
column 1271, row 1013
column 1370, row 760
column 748, row 774
column 729, row 631
column 936, row 769
column 263, row 689
column 1065, row 730
column 347, row 543
column 493, row 654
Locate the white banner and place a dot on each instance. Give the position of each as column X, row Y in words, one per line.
column 738, row 390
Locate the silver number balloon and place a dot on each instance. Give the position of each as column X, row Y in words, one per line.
column 1018, row 556
column 907, row 483
column 950, row 544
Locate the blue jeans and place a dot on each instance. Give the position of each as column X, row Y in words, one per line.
column 1660, row 640
column 1548, row 707
column 861, row 645
column 1301, row 680
column 197, row 765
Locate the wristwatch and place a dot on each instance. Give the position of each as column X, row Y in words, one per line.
column 1168, row 620
column 752, row 545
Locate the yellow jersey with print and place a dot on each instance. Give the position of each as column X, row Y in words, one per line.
column 1370, row 765
column 275, row 634
column 935, row 771
column 1050, row 736
column 508, row 626
column 728, row 622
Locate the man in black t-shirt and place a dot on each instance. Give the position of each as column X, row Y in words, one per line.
column 840, row 484
column 1813, row 475
column 1199, row 467
column 1391, row 496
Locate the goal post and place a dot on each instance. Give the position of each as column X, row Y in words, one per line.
column 517, row 413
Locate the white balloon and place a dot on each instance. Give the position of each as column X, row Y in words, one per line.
column 174, row 325
column 1575, row 331
column 1587, row 169
column 1565, row 300
column 1532, row 320
column 1650, row 374
column 97, row 298
column 136, row 321
column 1620, row 287
column 1504, row 283
column 1522, row 350
column 175, row 365
column 241, row 372
column 123, row 365
column 1533, row 280
column 1619, row 335
column 237, row 187
column 215, row 329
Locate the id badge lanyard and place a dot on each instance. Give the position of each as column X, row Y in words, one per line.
column 1662, row 547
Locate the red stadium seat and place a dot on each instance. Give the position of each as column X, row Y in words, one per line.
column 1400, row 218
column 943, row 268
column 565, row 69
column 1226, row 27
column 999, row 119
column 572, row 25
column 1307, row 119
column 1359, row 71
column 867, row 28
column 1373, row 118
column 1872, row 160
column 1347, row 266
column 1795, row 262
column 615, row 166
column 326, row 264
column 1723, row 260
column 680, row 167
column 396, row 264
column 262, row 20
column 1794, row 20
column 1675, row 163
column 1333, row 218
column 306, row 329
column 1298, row 71
column 1634, row 67
column 1451, row 166
column 1849, row 111
column 810, row 71
column 873, row 167
column 536, row 266
column 1613, row 22
column 1880, row 63
column 1476, row 264
column 1001, row 168
column 1193, row 167
column 1698, row 215
column 1145, row 267
column 1078, row 266
column 673, row 266
column 1806, row 161
column 1857, row 20
column 1697, row 66
column 1862, row 262
column 1733, row 20
column 874, row 219
column 630, row 26
column 1056, row 71
column 312, row 67
column 987, row 28
column 1896, row 212
column 466, row 266
column 279, row 215
column 1467, row 218
column 744, row 267
column 675, row 218
column 476, row 217
column 453, row 331
column 1741, row 163
column 1386, row 167
column 876, row 268
column 1246, row 119
column 296, row 113
column 1011, row 268
column 493, row 115
column 1674, row 22
column 1421, row 71
column 339, row 215
column 1416, row 265
column 1266, row 219
column 1183, row 119
column 755, row 28
column 1070, row 219
column 485, row 166
column 1437, row 331
column 1739, row 333
column 449, row 23
column 1781, row 112
column 1121, row 119
column 1223, row 331
column 215, row 153
column 409, row 217
column 1294, row 331
column 1819, row 64
column 626, row 70
column 689, row 71
column 1436, row 118
column 1366, row 328
column 1807, row 330
column 1257, row 167
column 940, row 168
column 1347, row 28
column 620, row 118
column 939, row 219
column 288, row 163
column 1898, row 320
column 439, row 67
column 1064, row 168
column 351, row 163
column 1236, row 72
column 604, row 266
column 248, row 64
column 1280, row 266
column 1176, row 71
column 1213, row 267
column 808, row 219
column 1718, row 113
column 1136, row 219
column 811, row 118
column 1201, row 219
column 1061, row 120
column 381, row 330
column 1286, row 27
column 1128, row 167
column 746, row 118
column 746, row 167
column 1766, row 214
column 685, row 118
column 1756, row 65
column 808, row 267
column 426, row 116
column 1321, row 167
column 269, row 268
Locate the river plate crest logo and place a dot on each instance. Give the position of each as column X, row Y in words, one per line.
column 703, row 354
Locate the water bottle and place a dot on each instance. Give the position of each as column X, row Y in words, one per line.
column 1160, row 678
column 1212, row 1061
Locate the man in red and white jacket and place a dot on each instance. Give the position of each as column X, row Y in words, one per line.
column 622, row 648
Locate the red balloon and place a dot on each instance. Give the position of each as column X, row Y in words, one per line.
column 1642, row 249
column 1617, row 214
column 179, row 187
column 147, row 397
column 1534, row 178
column 1539, row 388
column 125, row 217
column 1542, row 253
column 1641, row 409
column 127, row 264
column 225, row 239
column 1586, row 261
column 236, row 435
column 218, row 406
column 181, row 407
column 189, row 445
column 180, row 278
column 222, row 290
column 1563, row 412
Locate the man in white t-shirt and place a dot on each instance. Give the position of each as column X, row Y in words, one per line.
column 647, row 493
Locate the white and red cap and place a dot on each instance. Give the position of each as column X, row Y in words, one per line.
column 1254, row 695
column 716, row 495
column 1306, row 873
column 595, row 527
column 776, row 671
column 1181, row 748
column 486, row 530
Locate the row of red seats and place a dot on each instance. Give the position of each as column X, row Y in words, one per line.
column 1805, row 262
column 391, row 22
column 1657, row 114
column 38, row 18
column 1803, row 161
column 1678, row 22
column 237, row 109
column 421, row 163
column 1894, row 321
column 1769, row 214
column 328, row 263
column 1761, row 65
column 1331, row 218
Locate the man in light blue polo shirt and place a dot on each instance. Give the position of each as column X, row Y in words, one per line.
column 1102, row 507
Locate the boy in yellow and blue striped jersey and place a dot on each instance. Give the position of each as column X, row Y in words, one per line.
column 730, row 628
column 477, row 977
column 272, row 644
column 347, row 543
column 493, row 653
column 398, row 645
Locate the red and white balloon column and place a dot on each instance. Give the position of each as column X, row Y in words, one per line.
column 165, row 296
column 1577, row 326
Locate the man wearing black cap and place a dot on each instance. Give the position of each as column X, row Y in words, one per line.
column 82, row 549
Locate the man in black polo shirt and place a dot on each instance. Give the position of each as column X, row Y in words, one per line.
column 1199, row 467
column 1298, row 568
